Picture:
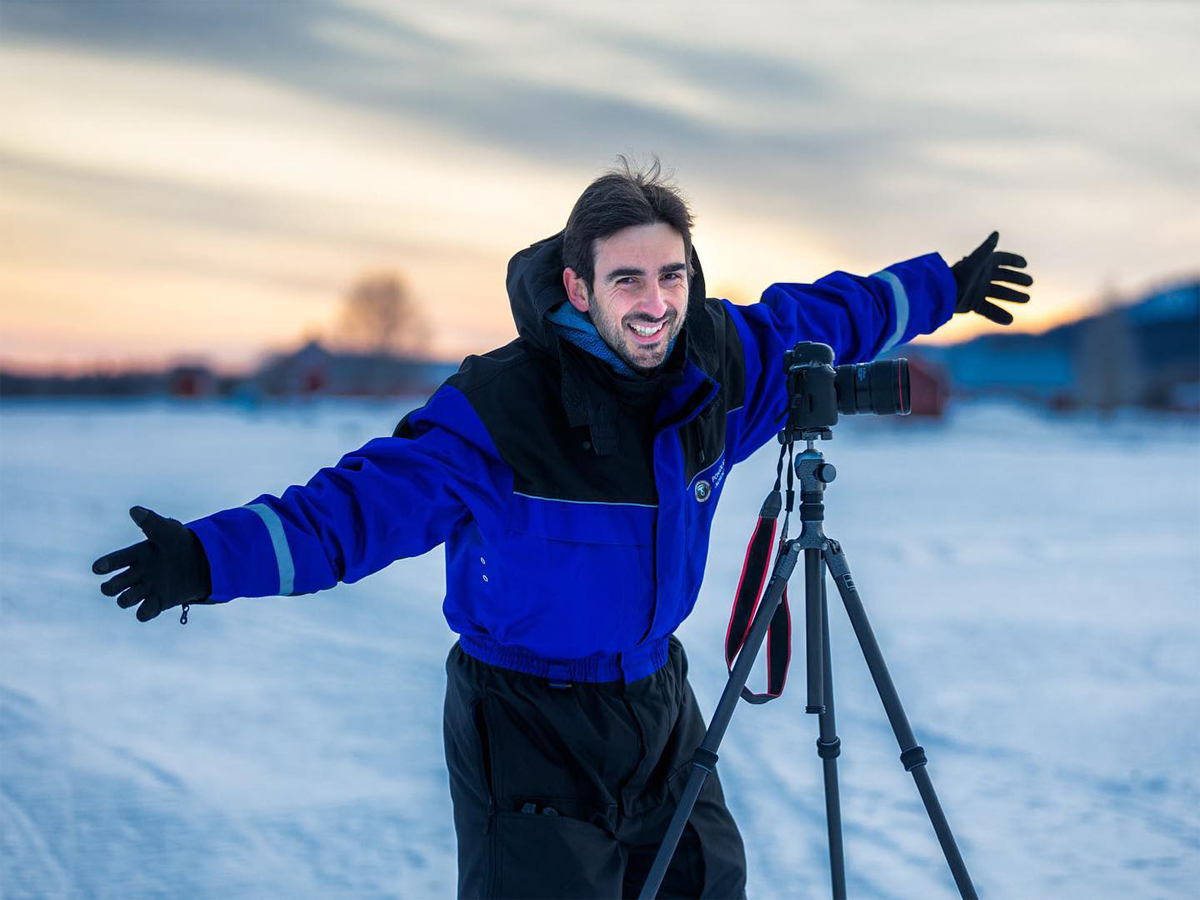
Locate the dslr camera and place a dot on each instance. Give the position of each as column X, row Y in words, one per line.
column 817, row 390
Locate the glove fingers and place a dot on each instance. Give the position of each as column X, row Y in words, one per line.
column 1003, row 258
column 118, row 559
column 150, row 608
column 988, row 245
column 134, row 595
column 118, row 583
column 1000, row 292
column 994, row 312
column 154, row 526
column 1012, row 277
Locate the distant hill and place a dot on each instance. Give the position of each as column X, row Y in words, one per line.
column 1146, row 353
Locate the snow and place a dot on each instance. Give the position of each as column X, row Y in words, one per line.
column 1034, row 583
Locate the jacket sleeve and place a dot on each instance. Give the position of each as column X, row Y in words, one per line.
column 860, row 317
column 394, row 497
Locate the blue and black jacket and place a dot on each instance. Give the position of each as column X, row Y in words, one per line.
column 576, row 524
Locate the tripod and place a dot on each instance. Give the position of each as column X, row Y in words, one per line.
column 820, row 552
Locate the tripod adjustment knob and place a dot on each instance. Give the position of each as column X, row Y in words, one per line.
column 826, row 473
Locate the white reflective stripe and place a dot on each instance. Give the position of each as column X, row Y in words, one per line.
column 283, row 556
column 585, row 502
column 900, row 302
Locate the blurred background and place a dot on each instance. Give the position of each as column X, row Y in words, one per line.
column 210, row 193
column 240, row 239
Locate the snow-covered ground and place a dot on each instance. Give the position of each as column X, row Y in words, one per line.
column 1034, row 583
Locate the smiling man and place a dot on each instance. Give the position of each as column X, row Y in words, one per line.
column 640, row 300
column 572, row 476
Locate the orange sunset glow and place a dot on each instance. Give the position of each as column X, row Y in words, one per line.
column 170, row 192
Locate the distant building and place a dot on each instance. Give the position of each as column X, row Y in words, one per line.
column 191, row 381
column 315, row 370
column 929, row 387
column 303, row 372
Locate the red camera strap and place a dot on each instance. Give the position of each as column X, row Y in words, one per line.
column 758, row 563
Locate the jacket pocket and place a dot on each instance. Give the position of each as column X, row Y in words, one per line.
column 629, row 524
column 577, row 578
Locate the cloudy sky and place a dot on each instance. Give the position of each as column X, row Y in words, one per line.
column 206, row 178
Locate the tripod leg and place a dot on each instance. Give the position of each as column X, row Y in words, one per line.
column 828, row 748
column 813, row 573
column 912, row 755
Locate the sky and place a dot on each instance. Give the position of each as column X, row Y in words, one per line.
column 205, row 180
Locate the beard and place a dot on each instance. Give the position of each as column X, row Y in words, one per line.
column 642, row 358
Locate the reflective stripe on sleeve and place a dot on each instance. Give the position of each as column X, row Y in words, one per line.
column 283, row 555
column 900, row 302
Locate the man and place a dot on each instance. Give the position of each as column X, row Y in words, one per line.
column 572, row 476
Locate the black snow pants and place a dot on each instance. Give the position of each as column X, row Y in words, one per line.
column 566, row 790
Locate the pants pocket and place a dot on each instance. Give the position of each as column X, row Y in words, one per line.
column 540, row 854
column 469, row 763
column 484, row 747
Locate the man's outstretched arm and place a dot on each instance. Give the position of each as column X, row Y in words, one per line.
column 392, row 498
column 862, row 317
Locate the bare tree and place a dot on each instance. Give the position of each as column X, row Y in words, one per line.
column 379, row 316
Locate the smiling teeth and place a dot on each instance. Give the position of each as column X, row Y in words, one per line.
column 644, row 331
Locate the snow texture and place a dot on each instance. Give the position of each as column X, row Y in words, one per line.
column 1034, row 583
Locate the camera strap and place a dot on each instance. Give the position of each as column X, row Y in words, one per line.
column 752, row 584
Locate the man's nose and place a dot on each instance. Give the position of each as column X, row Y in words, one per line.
column 654, row 304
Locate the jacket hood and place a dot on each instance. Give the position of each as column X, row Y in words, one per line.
column 535, row 287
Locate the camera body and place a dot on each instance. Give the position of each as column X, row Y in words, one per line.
column 817, row 390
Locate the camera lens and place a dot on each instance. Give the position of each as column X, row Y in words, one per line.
column 879, row 387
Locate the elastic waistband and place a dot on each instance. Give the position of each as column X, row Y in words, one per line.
column 629, row 666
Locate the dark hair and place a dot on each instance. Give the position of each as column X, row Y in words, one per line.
column 618, row 199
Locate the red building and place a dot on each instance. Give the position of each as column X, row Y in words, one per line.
column 929, row 385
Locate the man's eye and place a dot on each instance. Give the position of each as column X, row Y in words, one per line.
column 628, row 279
column 672, row 275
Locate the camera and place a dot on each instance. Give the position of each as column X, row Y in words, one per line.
column 817, row 390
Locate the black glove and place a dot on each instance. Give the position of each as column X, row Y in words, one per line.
column 977, row 274
column 170, row 569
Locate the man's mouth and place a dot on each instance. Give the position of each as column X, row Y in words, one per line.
column 647, row 333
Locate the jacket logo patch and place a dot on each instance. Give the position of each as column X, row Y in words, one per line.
column 705, row 488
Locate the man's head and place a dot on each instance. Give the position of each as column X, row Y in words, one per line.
column 627, row 250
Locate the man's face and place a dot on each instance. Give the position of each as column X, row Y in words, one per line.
column 639, row 294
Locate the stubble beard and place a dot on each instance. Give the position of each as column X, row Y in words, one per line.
column 616, row 333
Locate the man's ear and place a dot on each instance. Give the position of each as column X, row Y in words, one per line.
column 576, row 290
